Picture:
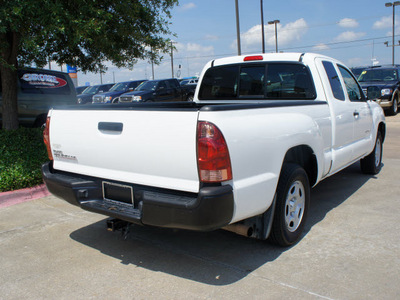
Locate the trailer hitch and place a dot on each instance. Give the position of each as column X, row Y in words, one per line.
column 119, row 225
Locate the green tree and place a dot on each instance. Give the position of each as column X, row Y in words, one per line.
column 82, row 33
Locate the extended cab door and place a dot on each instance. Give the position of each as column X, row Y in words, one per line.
column 341, row 114
column 362, row 113
column 351, row 115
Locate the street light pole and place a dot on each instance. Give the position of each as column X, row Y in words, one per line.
column 262, row 26
column 238, row 27
column 390, row 4
column 276, row 33
column 172, row 58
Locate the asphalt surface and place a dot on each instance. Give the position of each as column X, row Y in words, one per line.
column 350, row 250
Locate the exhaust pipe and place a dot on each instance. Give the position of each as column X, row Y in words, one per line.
column 240, row 229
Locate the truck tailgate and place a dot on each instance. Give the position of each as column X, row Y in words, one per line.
column 153, row 148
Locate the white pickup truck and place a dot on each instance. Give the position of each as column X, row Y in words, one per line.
column 243, row 156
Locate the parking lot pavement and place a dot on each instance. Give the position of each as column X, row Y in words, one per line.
column 350, row 250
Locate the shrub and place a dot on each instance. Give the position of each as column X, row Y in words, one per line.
column 22, row 152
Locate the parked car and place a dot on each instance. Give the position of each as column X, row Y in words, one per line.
column 38, row 91
column 381, row 84
column 357, row 70
column 87, row 94
column 161, row 90
column 80, row 89
column 112, row 96
column 189, row 81
column 261, row 132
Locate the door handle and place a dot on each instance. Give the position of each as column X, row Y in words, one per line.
column 356, row 114
column 110, row 126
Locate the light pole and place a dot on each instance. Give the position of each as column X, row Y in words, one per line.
column 238, row 27
column 172, row 58
column 262, row 26
column 276, row 32
column 390, row 4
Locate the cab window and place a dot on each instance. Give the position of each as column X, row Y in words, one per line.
column 353, row 89
column 334, row 80
column 269, row 81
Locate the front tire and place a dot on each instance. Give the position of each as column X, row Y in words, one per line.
column 292, row 203
column 372, row 164
column 394, row 108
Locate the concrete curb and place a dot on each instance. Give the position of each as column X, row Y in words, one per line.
column 24, row 195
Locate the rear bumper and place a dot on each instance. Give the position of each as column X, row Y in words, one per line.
column 210, row 209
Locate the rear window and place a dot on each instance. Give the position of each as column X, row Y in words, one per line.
column 267, row 81
column 43, row 82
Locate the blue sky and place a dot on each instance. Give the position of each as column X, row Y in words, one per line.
column 351, row 31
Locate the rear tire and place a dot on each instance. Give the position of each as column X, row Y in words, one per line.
column 372, row 164
column 292, row 202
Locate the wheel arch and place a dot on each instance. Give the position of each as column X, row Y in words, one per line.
column 304, row 156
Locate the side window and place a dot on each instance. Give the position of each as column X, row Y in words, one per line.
column 162, row 84
column 174, row 84
column 170, row 84
column 352, row 87
column 334, row 80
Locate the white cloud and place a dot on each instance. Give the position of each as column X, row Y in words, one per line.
column 187, row 6
column 194, row 49
column 349, row 36
column 384, row 22
column 321, row 47
column 387, row 22
column 348, row 23
column 251, row 39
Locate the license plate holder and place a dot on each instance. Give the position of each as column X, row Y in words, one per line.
column 120, row 193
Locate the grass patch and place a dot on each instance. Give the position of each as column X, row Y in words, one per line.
column 22, row 152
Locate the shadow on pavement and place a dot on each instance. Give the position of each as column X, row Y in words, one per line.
column 215, row 258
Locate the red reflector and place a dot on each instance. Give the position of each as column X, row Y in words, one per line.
column 254, row 57
column 212, row 154
column 46, row 138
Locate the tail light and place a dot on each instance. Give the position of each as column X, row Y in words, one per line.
column 46, row 138
column 212, row 154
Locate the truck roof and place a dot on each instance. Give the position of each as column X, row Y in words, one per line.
column 286, row 56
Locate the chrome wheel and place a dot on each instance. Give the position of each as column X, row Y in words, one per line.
column 294, row 206
column 292, row 202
